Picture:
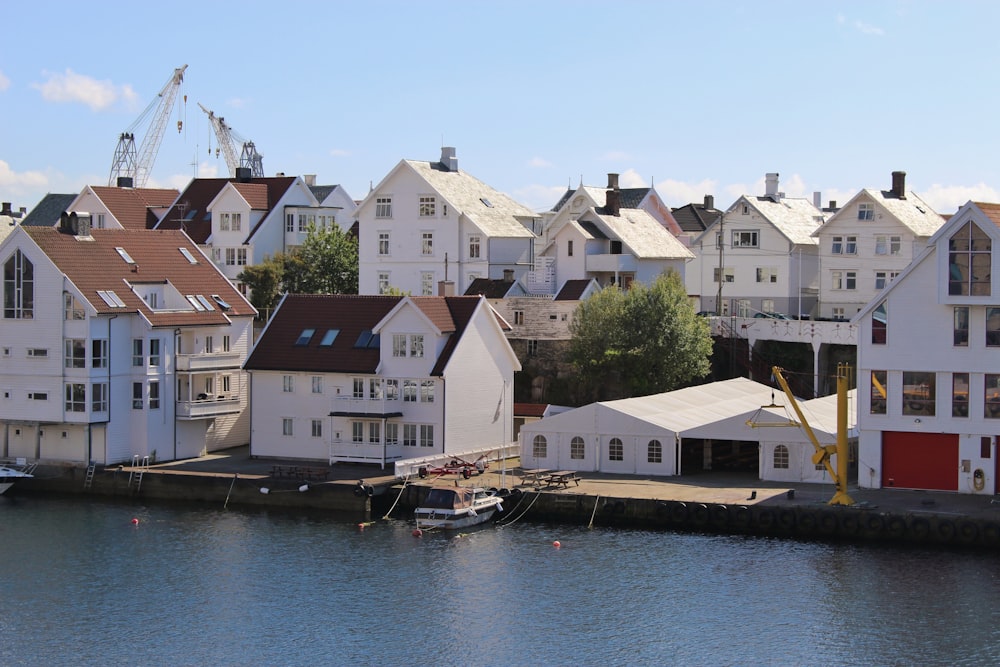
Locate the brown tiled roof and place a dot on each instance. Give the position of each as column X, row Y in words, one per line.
column 191, row 207
column 530, row 409
column 95, row 264
column 254, row 193
column 992, row 211
column 131, row 206
column 352, row 315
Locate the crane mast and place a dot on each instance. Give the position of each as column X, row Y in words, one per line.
column 136, row 164
column 248, row 157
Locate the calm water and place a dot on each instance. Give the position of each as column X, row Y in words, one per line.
column 82, row 585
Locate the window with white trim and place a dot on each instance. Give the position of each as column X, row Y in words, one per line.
column 374, row 433
column 654, row 452
column 475, row 242
column 99, row 397
column 154, row 395
column 286, row 426
column 577, row 448
column 427, row 391
column 427, row 283
column 409, row 435
column 383, row 207
column 518, row 317
column 426, row 243
column 837, row 245
column 851, row 245
column 427, row 206
column 287, row 384
column 866, row 211
column 383, row 282
column 383, row 244
column 76, row 397
column 317, row 428
column 76, row 353
column 358, row 388
column 409, row 391
column 728, row 274
column 391, row 433
column 18, row 287
column 539, row 447
column 616, row 450
column 138, row 358
column 767, row 274
column 72, row 308
column 745, row 238
column 317, row 384
column 781, row 457
column 427, row 435
column 137, row 397
column 154, row 352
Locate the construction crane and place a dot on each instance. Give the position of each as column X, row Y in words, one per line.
column 822, row 453
column 130, row 163
column 249, row 158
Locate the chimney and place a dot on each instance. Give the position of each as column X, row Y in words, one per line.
column 612, row 181
column 243, row 174
column 446, row 288
column 508, row 275
column 5, row 209
column 818, row 199
column 448, row 159
column 771, row 186
column 310, row 179
column 833, row 205
column 709, row 202
column 124, row 181
column 613, row 203
column 899, row 184
column 24, row 211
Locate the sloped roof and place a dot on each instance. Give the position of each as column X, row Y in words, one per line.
column 94, row 264
column 645, row 237
column 913, row 211
column 796, row 218
column 255, row 194
column 991, row 211
column 351, row 315
column 491, row 210
column 190, row 210
column 627, row 197
column 49, row 210
column 491, row 288
column 573, row 290
column 695, row 217
column 131, row 207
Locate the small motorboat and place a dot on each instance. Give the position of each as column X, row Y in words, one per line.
column 453, row 507
column 8, row 475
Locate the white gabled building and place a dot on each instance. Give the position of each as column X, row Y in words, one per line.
column 113, row 207
column 867, row 243
column 929, row 365
column 379, row 379
column 763, row 250
column 427, row 223
column 116, row 344
column 686, row 431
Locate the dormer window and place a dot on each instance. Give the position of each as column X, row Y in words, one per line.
column 866, row 211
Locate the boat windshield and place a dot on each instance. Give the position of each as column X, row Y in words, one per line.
column 445, row 499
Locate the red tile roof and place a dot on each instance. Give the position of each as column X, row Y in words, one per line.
column 190, row 211
column 131, row 206
column 352, row 315
column 95, row 264
column 530, row 409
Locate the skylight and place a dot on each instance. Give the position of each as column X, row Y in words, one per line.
column 486, row 202
column 305, row 336
column 190, row 214
column 188, row 256
column 364, row 338
column 110, row 298
column 194, row 302
column 205, row 302
column 329, row 337
column 222, row 304
column 374, row 341
column 124, row 254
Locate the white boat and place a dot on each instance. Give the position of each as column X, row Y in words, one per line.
column 452, row 507
column 8, row 475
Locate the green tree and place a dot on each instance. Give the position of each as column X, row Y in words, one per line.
column 326, row 263
column 641, row 341
column 265, row 282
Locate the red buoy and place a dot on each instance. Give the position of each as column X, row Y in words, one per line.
column 135, row 521
column 417, row 532
column 556, row 544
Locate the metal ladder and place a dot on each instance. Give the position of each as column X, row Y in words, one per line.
column 138, row 468
column 89, row 479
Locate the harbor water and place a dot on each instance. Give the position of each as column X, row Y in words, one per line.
column 93, row 582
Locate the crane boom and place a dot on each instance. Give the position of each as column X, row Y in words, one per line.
column 137, row 164
column 229, row 141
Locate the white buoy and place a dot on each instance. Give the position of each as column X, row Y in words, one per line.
column 265, row 490
column 303, row 488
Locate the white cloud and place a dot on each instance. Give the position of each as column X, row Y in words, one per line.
column 946, row 199
column 868, row 29
column 539, row 163
column 615, row 156
column 73, row 87
column 4, row 82
column 539, row 197
column 238, row 102
column 680, row 193
column 21, row 182
column 339, row 152
column 630, row 178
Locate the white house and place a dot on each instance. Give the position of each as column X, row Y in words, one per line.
column 763, row 251
column 684, row 431
column 241, row 221
column 929, row 365
column 427, row 223
column 380, row 378
column 118, row 343
column 867, row 243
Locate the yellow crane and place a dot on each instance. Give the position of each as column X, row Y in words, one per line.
column 824, row 452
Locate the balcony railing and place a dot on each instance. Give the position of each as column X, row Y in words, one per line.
column 610, row 263
column 347, row 451
column 207, row 361
column 204, row 408
column 364, row 407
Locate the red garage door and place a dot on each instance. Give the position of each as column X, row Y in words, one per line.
column 920, row 461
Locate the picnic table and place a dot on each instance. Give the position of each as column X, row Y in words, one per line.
column 534, row 476
column 562, row 478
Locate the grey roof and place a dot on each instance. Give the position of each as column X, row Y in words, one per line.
column 913, row 211
column 48, row 211
column 796, row 218
column 494, row 212
column 321, row 192
column 645, row 237
column 695, row 217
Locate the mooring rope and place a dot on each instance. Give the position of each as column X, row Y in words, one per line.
column 526, row 509
column 594, row 513
column 405, row 480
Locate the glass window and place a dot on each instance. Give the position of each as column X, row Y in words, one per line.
column 745, row 239
column 427, row 206
column 18, row 287
column 99, row 353
column 616, row 450
column 878, row 393
column 576, row 448
column 391, row 433
column 426, row 435
column 959, row 394
column 474, row 243
column 417, row 345
column 918, row 393
column 851, row 247
column 969, row 260
column 518, row 317
column 427, row 391
column 539, row 447
column 317, row 384
column 374, row 433
column 427, row 283
column 99, row 397
column 532, row 346
column 427, row 243
column 305, row 337
column 76, row 397
column 383, row 282
column 767, row 274
column 359, row 388
column 409, row 435
column 880, row 324
column 73, row 309
column 383, row 243
column 317, row 428
column 375, row 389
column 781, row 457
column 392, row 390
column 286, row 426
column 383, row 207
column 993, row 327
column 287, row 384
column 76, row 353
column 357, row 431
column 961, row 327
column 137, row 396
column 399, row 345
column 654, row 452
column 866, row 211
column 154, row 351
column 992, row 396
column 409, row 391
column 137, row 354
column 154, row 395
column 881, row 245
column 895, row 242
column 837, row 247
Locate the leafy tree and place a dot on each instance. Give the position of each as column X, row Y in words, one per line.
column 265, row 282
column 641, row 341
column 326, row 263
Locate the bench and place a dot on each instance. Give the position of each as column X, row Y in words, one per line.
column 534, row 476
column 562, row 478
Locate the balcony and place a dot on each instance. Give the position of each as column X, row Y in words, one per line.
column 208, row 361
column 347, row 406
column 346, row 451
column 610, row 263
column 206, row 408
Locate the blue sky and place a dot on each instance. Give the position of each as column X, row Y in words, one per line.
column 695, row 97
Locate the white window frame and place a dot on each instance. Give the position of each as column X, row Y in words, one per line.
column 383, row 206
column 427, row 243
column 383, row 243
column 746, row 238
column 427, row 206
column 866, row 210
column 475, row 246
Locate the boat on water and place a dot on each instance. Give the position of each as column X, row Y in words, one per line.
column 8, row 476
column 455, row 507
